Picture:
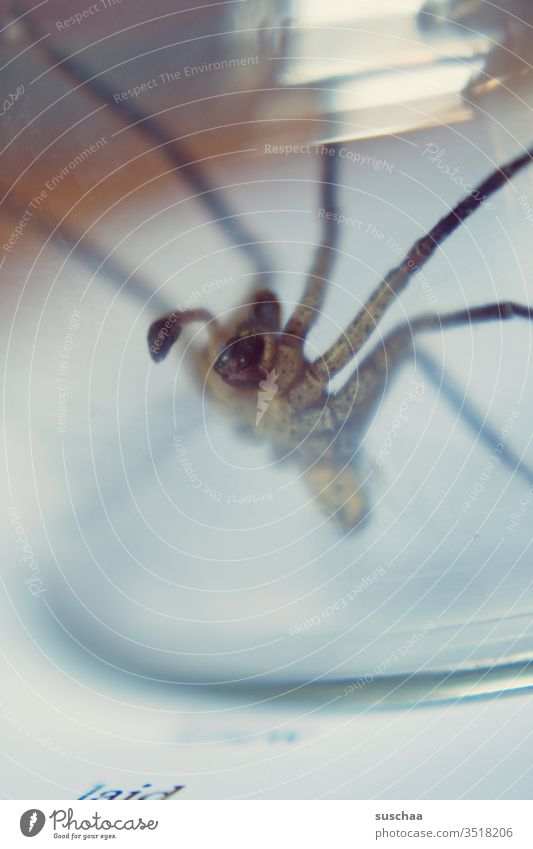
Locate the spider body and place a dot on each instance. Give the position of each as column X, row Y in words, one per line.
column 301, row 418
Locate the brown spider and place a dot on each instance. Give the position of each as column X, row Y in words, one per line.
column 319, row 428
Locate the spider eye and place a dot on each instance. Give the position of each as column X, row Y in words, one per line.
column 240, row 354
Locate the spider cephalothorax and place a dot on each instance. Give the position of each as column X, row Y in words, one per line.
column 320, row 429
column 240, row 363
column 246, row 358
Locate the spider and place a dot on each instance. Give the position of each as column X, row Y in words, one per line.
column 320, row 428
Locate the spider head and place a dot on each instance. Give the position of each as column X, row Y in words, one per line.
column 247, row 355
column 245, row 359
column 239, row 362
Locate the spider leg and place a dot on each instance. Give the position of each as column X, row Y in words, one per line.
column 334, row 477
column 266, row 311
column 307, row 312
column 165, row 331
column 107, row 265
column 365, row 322
column 358, row 398
column 192, row 172
column 339, row 491
column 468, row 413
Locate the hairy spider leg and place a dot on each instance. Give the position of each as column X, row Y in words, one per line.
column 358, row 398
column 291, row 343
column 307, row 312
column 334, row 477
column 365, row 322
